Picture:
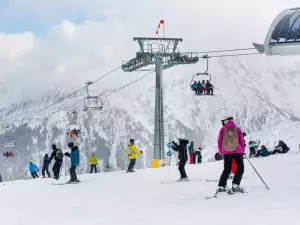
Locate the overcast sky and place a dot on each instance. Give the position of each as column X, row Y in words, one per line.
column 66, row 42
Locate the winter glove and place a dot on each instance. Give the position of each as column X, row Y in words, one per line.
column 141, row 152
column 67, row 154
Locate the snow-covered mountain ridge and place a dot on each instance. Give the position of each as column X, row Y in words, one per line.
column 261, row 93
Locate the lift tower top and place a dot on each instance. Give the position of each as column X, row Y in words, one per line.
column 163, row 53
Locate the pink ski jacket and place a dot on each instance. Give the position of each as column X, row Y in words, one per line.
column 240, row 148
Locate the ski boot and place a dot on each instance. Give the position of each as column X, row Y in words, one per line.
column 182, row 179
column 236, row 188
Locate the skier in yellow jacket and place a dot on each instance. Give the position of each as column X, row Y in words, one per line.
column 132, row 153
column 94, row 163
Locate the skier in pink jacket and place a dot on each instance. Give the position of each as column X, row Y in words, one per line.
column 231, row 146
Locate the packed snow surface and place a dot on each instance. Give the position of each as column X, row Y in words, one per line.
column 140, row 198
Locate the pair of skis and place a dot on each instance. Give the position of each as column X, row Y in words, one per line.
column 229, row 192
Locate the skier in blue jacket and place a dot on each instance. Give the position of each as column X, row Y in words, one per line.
column 33, row 169
column 75, row 159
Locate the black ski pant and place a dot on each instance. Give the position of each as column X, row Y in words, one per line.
column 197, row 157
column 181, row 168
column 34, row 175
column 252, row 152
column 93, row 167
column 73, row 173
column 227, row 169
column 46, row 168
column 131, row 165
column 56, row 168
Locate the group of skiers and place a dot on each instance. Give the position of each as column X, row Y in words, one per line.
column 281, row 148
column 73, row 133
column 231, row 145
column 58, row 156
column 203, row 87
column 195, row 155
column 8, row 154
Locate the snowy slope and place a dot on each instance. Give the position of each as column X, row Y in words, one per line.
column 140, row 198
column 260, row 92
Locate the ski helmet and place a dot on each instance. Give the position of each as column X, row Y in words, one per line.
column 71, row 145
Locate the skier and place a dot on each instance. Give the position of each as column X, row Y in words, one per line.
column 182, row 156
column 191, row 152
column 33, row 169
column 281, row 148
column 132, row 153
column 252, row 148
column 46, row 166
column 58, row 156
column 198, row 156
column 75, row 159
column 94, row 163
column 0, row 178
column 262, row 152
column 231, row 146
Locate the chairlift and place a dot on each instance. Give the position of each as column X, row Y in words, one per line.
column 195, row 86
column 73, row 129
column 10, row 143
column 92, row 102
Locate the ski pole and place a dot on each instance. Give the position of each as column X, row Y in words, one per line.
column 257, row 173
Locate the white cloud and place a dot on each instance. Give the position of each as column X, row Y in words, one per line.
column 13, row 46
column 70, row 54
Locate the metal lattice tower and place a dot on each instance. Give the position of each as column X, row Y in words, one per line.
column 163, row 53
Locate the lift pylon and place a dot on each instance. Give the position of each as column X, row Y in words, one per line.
column 162, row 53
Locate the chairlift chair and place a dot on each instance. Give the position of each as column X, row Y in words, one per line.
column 201, row 74
column 92, row 102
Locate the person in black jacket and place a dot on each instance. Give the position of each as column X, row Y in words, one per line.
column 182, row 156
column 281, row 148
column 58, row 157
column 46, row 166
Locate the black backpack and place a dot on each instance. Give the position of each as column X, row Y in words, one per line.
column 59, row 154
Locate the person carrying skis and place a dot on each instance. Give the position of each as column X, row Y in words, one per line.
column 231, row 146
column 132, row 153
column 182, row 156
column 33, row 169
column 75, row 159
column 46, row 166
column 191, row 152
column 94, row 163
column 58, row 156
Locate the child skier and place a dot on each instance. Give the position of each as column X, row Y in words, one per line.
column 75, row 159
column 231, row 146
column 182, row 156
column 198, row 156
column 33, row 169
column 46, row 166
column 94, row 163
